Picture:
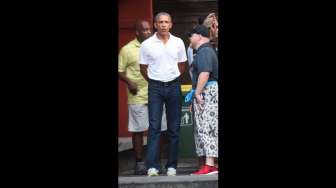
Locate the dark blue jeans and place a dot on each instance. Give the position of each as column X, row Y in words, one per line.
column 170, row 95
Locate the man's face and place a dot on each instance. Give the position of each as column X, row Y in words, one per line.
column 214, row 28
column 144, row 31
column 194, row 39
column 163, row 24
column 212, row 23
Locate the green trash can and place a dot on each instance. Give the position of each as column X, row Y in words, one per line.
column 186, row 140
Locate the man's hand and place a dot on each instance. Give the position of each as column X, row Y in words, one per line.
column 132, row 87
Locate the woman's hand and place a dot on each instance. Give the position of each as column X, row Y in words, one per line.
column 199, row 98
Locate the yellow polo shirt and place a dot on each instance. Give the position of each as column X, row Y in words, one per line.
column 128, row 62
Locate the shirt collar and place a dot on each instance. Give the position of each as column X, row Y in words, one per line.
column 137, row 43
column 208, row 44
column 158, row 40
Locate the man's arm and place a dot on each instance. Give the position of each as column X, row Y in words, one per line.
column 143, row 62
column 143, row 70
column 182, row 66
column 182, row 57
column 133, row 88
column 201, row 82
column 122, row 66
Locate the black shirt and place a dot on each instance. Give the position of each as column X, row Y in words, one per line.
column 205, row 61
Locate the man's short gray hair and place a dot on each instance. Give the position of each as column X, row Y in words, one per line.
column 162, row 14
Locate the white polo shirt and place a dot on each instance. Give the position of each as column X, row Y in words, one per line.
column 162, row 59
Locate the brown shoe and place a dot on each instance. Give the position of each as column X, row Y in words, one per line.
column 140, row 168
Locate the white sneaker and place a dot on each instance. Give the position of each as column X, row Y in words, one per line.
column 152, row 172
column 171, row 172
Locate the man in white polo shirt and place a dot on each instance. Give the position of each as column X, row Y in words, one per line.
column 162, row 61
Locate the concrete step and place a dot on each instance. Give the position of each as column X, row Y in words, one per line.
column 163, row 181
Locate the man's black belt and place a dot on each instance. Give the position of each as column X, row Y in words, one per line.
column 164, row 83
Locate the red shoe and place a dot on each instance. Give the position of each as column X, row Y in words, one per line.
column 206, row 170
column 214, row 170
column 196, row 172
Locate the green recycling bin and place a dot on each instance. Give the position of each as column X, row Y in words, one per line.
column 186, row 140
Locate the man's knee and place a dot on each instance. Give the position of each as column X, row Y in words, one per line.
column 138, row 133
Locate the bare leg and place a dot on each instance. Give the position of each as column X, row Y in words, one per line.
column 137, row 141
column 216, row 162
column 210, row 161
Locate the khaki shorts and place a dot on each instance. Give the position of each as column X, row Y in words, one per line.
column 138, row 118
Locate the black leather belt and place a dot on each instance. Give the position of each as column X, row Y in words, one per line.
column 164, row 83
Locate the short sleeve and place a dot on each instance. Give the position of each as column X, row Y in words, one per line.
column 190, row 55
column 122, row 60
column 204, row 62
column 142, row 56
column 182, row 55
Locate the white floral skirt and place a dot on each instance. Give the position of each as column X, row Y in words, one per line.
column 206, row 123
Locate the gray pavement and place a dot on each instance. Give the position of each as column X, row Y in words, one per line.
column 163, row 181
column 166, row 179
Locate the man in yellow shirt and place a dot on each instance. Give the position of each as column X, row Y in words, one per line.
column 137, row 93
